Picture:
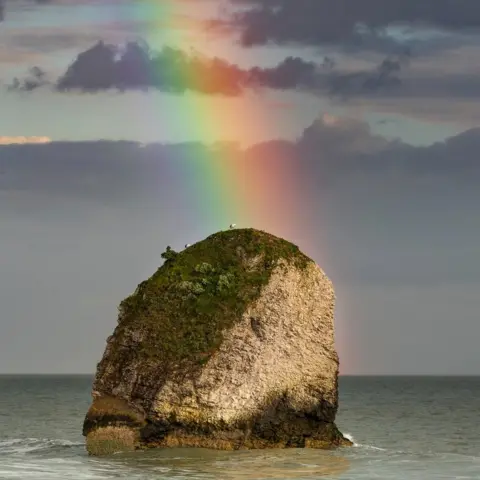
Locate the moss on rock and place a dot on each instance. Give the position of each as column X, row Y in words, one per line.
column 198, row 293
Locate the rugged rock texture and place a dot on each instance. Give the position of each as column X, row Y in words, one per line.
column 229, row 345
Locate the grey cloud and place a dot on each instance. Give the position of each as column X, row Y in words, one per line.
column 383, row 79
column 335, row 149
column 107, row 172
column 135, row 67
column 409, row 213
column 36, row 79
column 449, row 85
column 334, row 22
column 328, row 62
column 104, row 67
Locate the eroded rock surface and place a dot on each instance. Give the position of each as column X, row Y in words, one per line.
column 229, row 345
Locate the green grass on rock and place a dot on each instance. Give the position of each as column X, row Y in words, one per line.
column 198, row 293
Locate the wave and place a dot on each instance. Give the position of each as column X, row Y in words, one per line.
column 30, row 445
column 349, row 436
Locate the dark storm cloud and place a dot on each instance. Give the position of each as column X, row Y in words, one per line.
column 104, row 67
column 334, row 22
column 135, row 67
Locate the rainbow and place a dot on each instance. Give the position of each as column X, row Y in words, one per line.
column 263, row 186
column 226, row 184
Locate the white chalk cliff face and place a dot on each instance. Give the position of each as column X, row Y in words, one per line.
column 271, row 382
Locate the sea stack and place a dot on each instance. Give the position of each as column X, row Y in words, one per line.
column 229, row 345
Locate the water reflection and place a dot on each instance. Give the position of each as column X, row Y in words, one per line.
column 207, row 464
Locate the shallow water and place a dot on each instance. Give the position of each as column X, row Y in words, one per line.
column 403, row 428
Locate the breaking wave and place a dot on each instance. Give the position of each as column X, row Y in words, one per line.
column 350, row 437
column 31, row 445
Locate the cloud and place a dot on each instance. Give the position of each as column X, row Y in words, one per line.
column 135, row 67
column 36, row 79
column 355, row 23
column 392, row 84
column 23, row 140
column 104, row 67
column 335, row 149
column 384, row 78
column 409, row 213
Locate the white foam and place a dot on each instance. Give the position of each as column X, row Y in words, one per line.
column 27, row 445
column 350, row 437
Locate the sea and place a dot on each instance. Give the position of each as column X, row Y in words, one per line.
column 402, row 427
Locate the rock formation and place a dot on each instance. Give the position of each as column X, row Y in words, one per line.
column 229, row 345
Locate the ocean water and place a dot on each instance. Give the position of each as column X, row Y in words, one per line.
column 403, row 428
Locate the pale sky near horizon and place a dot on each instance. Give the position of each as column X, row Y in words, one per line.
column 378, row 129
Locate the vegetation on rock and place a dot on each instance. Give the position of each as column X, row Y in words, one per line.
column 198, row 293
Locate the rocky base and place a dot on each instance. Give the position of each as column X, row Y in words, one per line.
column 108, row 440
column 326, row 437
column 124, row 429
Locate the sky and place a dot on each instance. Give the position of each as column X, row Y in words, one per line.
column 350, row 127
